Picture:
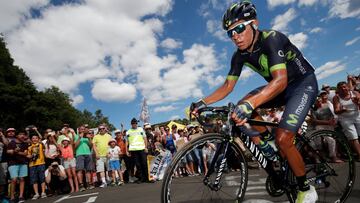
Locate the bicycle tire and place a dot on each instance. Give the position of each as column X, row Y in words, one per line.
column 319, row 158
column 195, row 190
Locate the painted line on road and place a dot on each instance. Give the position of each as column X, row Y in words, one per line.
column 84, row 195
column 75, row 196
column 91, row 200
column 255, row 188
column 260, row 181
column 255, row 193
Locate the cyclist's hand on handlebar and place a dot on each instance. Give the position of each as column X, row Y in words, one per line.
column 242, row 113
column 196, row 105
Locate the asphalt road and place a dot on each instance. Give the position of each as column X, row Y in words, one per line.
column 150, row 192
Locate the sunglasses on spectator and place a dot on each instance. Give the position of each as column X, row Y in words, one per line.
column 238, row 29
column 102, row 128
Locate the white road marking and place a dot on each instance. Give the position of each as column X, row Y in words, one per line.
column 255, row 193
column 76, row 196
column 91, row 200
column 61, row 199
column 261, row 181
column 255, row 188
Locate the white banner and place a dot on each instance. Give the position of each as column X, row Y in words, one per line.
column 159, row 164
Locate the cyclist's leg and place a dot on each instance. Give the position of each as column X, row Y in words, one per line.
column 300, row 95
column 263, row 130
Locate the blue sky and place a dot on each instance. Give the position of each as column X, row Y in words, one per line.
column 110, row 54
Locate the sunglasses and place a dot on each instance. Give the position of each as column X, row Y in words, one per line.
column 238, row 29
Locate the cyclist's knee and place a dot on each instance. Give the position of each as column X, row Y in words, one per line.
column 284, row 138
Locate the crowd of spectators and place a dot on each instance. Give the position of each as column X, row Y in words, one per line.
column 66, row 161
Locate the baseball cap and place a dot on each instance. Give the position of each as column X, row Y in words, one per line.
column 117, row 131
column 65, row 139
column 147, row 126
column 134, row 120
column 112, row 140
column 325, row 86
column 10, row 129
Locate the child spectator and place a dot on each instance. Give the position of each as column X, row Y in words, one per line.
column 36, row 154
column 51, row 150
column 69, row 162
column 114, row 163
column 17, row 161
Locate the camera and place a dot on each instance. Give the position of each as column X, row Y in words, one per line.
column 34, row 157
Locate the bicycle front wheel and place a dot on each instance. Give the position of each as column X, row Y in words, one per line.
column 184, row 178
column 329, row 165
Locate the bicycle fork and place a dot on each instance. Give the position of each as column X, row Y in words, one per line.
column 216, row 185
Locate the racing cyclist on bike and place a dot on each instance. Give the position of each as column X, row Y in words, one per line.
column 291, row 82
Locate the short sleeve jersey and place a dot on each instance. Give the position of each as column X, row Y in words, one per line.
column 101, row 143
column 84, row 146
column 272, row 51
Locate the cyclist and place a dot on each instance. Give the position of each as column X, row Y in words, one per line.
column 291, row 82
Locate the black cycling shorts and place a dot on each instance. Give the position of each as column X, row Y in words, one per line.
column 298, row 97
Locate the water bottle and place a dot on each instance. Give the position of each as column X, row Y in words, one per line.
column 267, row 150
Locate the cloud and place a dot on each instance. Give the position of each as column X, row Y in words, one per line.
column 77, row 99
column 99, row 43
column 307, row 2
column 357, row 29
column 353, row 41
column 164, row 108
column 215, row 28
column 109, row 91
column 15, row 12
column 328, row 69
column 246, row 73
column 282, row 21
column 170, row 43
column 299, row 40
column 274, row 3
column 174, row 117
column 345, row 9
column 316, row 30
column 214, row 82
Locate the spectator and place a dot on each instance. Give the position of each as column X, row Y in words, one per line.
column 174, row 132
column 331, row 93
column 114, row 152
column 51, row 149
column 208, row 152
column 36, row 154
column 17, row 150
column 84, row 159
column 10, row 134
column 55, row 177
column 150, row 138
column 121, row 142
column 137, row 149
column 66, row 132
column 3, row 164
column 354, row 83
column 159, row 147
column 100, row 145
column 188, row 160
column 169, row 141
column 346, row 105
column 273, row 116
column 69, row 162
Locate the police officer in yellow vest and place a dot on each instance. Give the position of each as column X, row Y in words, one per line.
column 136, row 143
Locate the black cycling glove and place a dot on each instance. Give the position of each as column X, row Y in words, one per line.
column 244, row 110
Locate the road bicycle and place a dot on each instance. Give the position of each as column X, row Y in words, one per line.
column 227, row 178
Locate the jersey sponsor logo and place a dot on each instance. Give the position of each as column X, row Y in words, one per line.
column 281, row 53
column 303, row 102
column 301, row 67
column 267, row 34
column 293, row 119
column 290, row 55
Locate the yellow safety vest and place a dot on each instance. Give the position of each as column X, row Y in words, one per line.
column 135, row 139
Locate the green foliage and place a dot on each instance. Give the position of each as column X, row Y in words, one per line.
column 22, row 105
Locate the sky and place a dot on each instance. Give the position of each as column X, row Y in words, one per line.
column 111, row 54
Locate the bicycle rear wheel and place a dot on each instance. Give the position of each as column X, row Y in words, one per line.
column 329, row 165
column 190, row 188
